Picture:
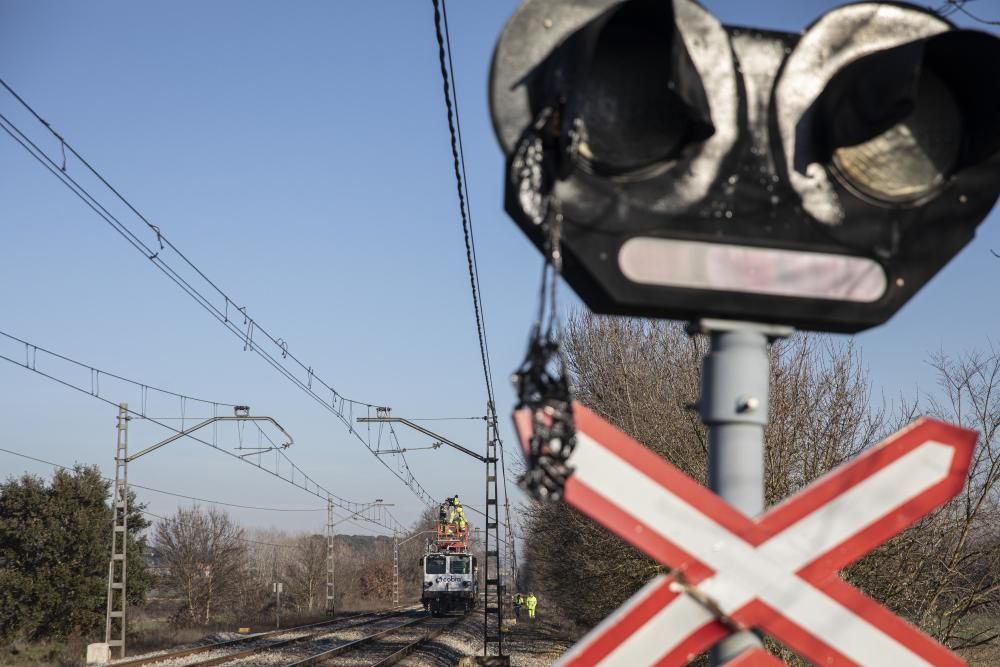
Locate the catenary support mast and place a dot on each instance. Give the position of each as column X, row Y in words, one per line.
column 395, row 569
column 493, row 595
column 114, row 621
column 117, row 591
column 329, row 558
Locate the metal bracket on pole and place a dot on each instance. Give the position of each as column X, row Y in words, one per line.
column 734, row 408
column 241, row 416
column 418, row 427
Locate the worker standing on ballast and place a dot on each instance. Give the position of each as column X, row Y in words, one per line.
column 518, row 603
column 531, row 602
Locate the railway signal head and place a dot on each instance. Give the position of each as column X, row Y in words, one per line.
column 692, row 169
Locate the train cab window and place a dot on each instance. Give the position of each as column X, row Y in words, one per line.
column 435, row 565
column 459, row 565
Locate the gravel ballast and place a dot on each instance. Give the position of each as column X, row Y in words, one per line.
column 530, row 643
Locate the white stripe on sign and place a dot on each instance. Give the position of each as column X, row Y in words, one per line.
column 842, row 518
column 744, row 572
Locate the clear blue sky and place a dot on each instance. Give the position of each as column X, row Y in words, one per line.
column 298, row 153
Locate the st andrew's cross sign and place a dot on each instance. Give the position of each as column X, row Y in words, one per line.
column 777, row 573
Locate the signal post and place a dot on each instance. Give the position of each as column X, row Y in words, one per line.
column 750, row 182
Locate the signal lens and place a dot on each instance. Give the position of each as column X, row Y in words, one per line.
column 913, row 157
column 633, row 108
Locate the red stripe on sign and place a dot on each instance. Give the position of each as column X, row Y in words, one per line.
column 602, row 510
column 652, row 465
column 624, row 627
column 845, row 477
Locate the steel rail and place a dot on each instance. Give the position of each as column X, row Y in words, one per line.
column 412, row 647
column 356, row 644
column 288, row 642
column 161, row 657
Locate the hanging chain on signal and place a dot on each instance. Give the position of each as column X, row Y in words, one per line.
column 543, row 155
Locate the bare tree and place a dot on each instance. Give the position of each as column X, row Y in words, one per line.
column 257, row 572
column 307, row 572
column 202, row 554
column 943, row 574
column 644, row 377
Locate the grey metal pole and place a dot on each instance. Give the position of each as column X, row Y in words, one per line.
column 329, row 557
column 734, row 405
column 117, row 566
column 395, row 569
column 277, row 605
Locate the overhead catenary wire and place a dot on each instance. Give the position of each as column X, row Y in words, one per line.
column 174, row 493
column 317, row 490
column 451, row 106
column 465, row 205
column 952, row 6
column 450, row 90
column 154, row 256
column 31, row 356
column 243, row 539
column 253, row 336
column 226, row 504
column 178, row 522
column 353, row 518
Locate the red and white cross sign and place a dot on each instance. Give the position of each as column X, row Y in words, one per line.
column 777, row 572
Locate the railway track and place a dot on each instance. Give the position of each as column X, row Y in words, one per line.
column 414, row 646
column 240, row 650
column 384, row 647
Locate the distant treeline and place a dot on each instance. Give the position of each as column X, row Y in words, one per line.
column 55, row 545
